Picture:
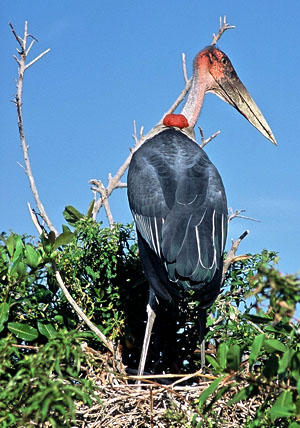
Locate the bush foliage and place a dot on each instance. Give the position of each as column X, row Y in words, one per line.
column 253, row 337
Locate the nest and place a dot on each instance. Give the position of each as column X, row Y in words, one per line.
column 126, row 404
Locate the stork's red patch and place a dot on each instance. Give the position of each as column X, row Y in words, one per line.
column 178, row 120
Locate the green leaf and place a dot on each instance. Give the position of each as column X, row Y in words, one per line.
column 243, row 394
column 234, row 357
column 210, row 390
column 47, row 330
column 256, row 347
column 211, row 360
column 273, row 345
column 45, row 407
column 51, row 237
column 90, row 209
column 65, row 228
column 285, row 360
column 4, row 311
column 294, row 425
column 22, row 331
column 222, row 355
column 63, row 239
column 257, row 319
column 10, row 244
column 32, row 257
column 18, row 248
column 72, row 215
column 284, row 407
column 21, row 269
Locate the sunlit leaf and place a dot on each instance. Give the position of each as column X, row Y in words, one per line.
column 23, row 331
column 4, row 311
column 90, row 209
column 210, row 390
column 256, row 347
column 46, row 330
column 222, row 354
column 257, row 319
column 284, row 407
column 272, row 345
column 32, row 257
column 10, row 244
column 72, row 215
column 63, row 239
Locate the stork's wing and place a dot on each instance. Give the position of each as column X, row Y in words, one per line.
column 179, row 205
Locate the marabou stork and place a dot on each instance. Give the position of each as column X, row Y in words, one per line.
column 177, row 196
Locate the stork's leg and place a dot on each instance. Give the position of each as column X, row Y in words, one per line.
column 202, row 329
column 151, row 311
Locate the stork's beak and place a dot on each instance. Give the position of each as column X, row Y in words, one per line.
column 232, row 91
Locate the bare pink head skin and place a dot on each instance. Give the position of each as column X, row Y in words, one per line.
column 213, row 72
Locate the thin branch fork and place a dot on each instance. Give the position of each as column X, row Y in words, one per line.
column 22, row 67
column 208, row 140
column 230, row 257
column 222, row 28
column 237, row 214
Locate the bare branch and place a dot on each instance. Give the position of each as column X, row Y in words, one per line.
column 108, row 343
column 142, row 131
column 34, row 219
column 184, row 68
column 30, row 46
column 134, row 135
column 18, row 38
column 231, row 253
column 237, row 213
column 37, row 58
column 102, row 191
column 18, row 101
column 222, row 28
column 179, row 99
column 206, row 141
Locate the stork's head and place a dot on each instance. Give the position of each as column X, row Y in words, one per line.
column 215, row 71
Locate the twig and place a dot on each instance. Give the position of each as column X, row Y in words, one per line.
column 37, row 58
column 184, row 68
column 101, row 189
column 231, row 253
column 222, row 28
column 237, row 213
column 34, row 219
column 208, row 140
column 109, row 344
column 18, row 101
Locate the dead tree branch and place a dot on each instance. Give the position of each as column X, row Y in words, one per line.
column 230, row 257
column 206, row 141
column 237, row 213
column 184, row 68
column 222, row 28
column 22, row 67
column 108, row 343
column 98, row 186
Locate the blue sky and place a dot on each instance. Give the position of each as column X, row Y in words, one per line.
column 112, row 62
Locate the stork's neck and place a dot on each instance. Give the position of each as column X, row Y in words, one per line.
column 192, row 107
